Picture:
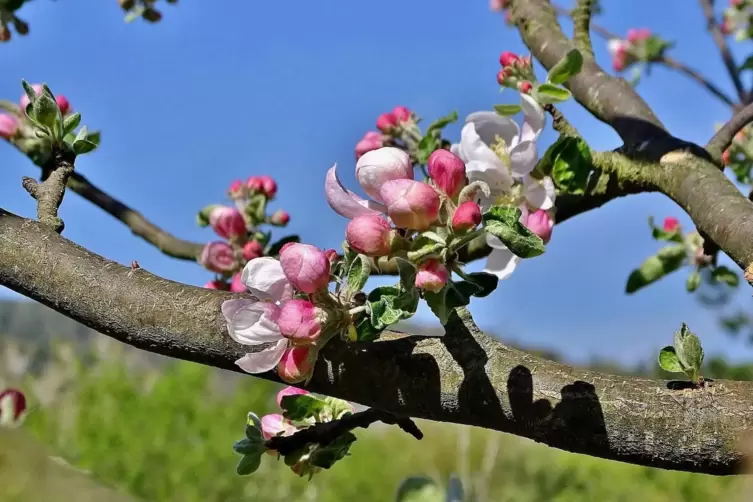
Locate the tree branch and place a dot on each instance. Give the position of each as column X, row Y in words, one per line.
column 465, row 377
column 721, row 43
column 49, row 193
column 581, row 27
column 724, row 136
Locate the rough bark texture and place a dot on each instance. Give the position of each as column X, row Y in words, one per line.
column 464, row 377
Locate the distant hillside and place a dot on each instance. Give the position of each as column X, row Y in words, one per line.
column 34, row 323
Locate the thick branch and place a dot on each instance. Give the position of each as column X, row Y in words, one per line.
column 721, row 43
column 464, row 377
column 724, row 136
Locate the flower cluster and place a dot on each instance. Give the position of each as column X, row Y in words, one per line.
column 639, row 45
column 144, row 9
column 239, row 226
column 739, row 156
column 300, row 410
column 8, row 18
column 12, row 408
column 16, row 126
column 738, row 19
column 398, row 128
column 516, row 72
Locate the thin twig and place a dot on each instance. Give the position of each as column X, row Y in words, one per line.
column 49, row 193
column 724, row 136
column 721, row 43
column 560, row 123
column 581, row 27
column 325, row 433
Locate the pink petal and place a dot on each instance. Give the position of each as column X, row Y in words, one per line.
column 264, row 360
column 346, row 203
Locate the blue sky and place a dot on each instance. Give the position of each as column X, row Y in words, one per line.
column 287, row 88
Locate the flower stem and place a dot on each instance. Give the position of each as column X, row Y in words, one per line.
column 466, row 239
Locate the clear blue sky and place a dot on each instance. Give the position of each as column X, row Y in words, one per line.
column 287, row 88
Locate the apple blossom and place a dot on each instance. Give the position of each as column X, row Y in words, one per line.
column 376, row 167
column 401, row 114
column 410, row 204
column 507, row 58
column 386, row 122
column 466, row 217
column 296, row 364
column 218, row 257
column 8, row 126
column 227, row 222
column 370, row 234
column 290, row 391
column 447, row 171
column 252, row 249
column 540, row 223
column 431, row 276
column 306, row 267
column 372, row 140
column 276, row 425
column 301, row 321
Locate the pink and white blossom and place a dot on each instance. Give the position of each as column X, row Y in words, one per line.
column 306, row 267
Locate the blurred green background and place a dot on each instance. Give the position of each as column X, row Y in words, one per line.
column 111, row 423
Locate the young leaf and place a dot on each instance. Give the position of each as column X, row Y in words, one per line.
column 655, row 267
column 358, row 273
column 71, row 122
column 725, row 275
column 247, row 446
column 390, row 305
column 483, row 283
column 423, row 246
column 668, row 360
column 301, row 407
column 436, row 127
column 694, row 280
column 365, row 331
column 568, row 161
column 549, row 94
column 249, row 463
column 566, row 68
column 504, row 223
column 507, row 110
column 453, row 295
column 326, row 456
column 426, row 147
column 407, row 272
column 82, row 146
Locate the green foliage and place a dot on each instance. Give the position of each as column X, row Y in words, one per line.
column 432, row 140
column 504, row 223
column 568, row 161
column 667, row 260
column 685, row 356
column 507, row 110
column 390, row 304
column 549, row 94
column 567, row 67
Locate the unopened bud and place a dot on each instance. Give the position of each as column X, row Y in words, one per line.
column 401, row 114
column 12, row 407
column 447, row 172
column 217, row 284
column 280, row 218
column 236, row 285
column 296, row 364
column 386, row 122
column 370, row 234
column 218, row 257
column 540, row 223
column 305, row 266
column 276, row 425
column 289, row 391
column 671, row 224
column 431, row 276
column 255, row 184
column 376, row 167
column 332, row 256
column 726, row 157
column 507, row 58
column 467, row 217
column 252, row 249
column 410, row 204
column 268, row 186
column 237, row 190
column 227, row 222
column 301, row 321
column 8, row 126
column 372, row 140
column 525, row 87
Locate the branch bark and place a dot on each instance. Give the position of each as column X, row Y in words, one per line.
column 724, row 136
column 465, row 377
column 50, row 192
column 721, row 43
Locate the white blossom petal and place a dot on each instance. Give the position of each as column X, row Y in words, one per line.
column 534, row 120
column 230, row 307
column 523, row 158
column 346, row 203
column 502, row 263
column 489, row 125
column 615, row 45
column 494, row 174
column 264, row 360
column 494, row 242
column 540, row 194
column 255, row 324
column 264, row 278
column 458, row 150
column 473, row 146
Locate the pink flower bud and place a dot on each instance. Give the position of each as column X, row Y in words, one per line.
column 275, row 425
column 370, row 234
column 12, row 406
column 508, row 17
column 386, row 122
column 671, row 224
column 286, row 246
column 216, row 284
column 8, row 126
column 4, row 33
column 502, row 76
column 507, row 58
column 618, row 63
column 525, row 87
column 218, row 257
column 301, row 321
column 410, row 204
column 726, row 157
column 237, row 189
column 305, row 266
column 63, row 104
column 540, row 223
column 431, row 276
column 376, row 167
column 290, row 391
column 332, row 256
column 447, row 171
column 296, row 364
column 280, row 218
column 632, row 35
column 401, row 114
column 251, row 250
column 467, row 216
column 727, row 26
column 237, row 286
column 372, row 140
column 268, row 186
column 227, row 222
column 255, row 185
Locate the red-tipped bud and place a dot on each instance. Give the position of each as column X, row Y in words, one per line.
column 8, row 126
column 370, row 234
column 508, row 58
column 332, row 256
column 467, row 217
column 251, row 250
column 410, row 204
column 296, row 364
column 447, row 171
column 227, row 222
column 255, row 184
column 305, row 266
column 280, row 218
column 268, row 186
column 372, row 140
column 671, row 224
column 386, row 122
column 301, row 321
column 237, row 190
column 401, row 114
column 525, row 87
column 431, row 276
column 236, row 285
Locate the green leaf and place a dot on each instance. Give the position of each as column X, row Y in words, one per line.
column 507, row 110
column 442, row 122
column 326, row 456
column 747, row 64
column 358, row 273
column 655, row 267
column 390, row 304
column 202, row 217
column 568, row 161
column 365, row 331
column 83, row 133
column 95, row 137
column 453, row 295
column 419, row 489
column 660, row 234
column 668, row 360
column 693, row 282
column 29, row 90
column 504, row 223
column 725, row 275
column 71, row 122
column 426, row 147
column 45, row 111
column 423, row 246
column 247, row 446
column 335, row 409
column 249, row 463
column 407, row 272
column 482, row 282
column 82, row 146
column 549, row 94
column 689, row 352
column 566, row 68
column 301, row 407
column 274, row 249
